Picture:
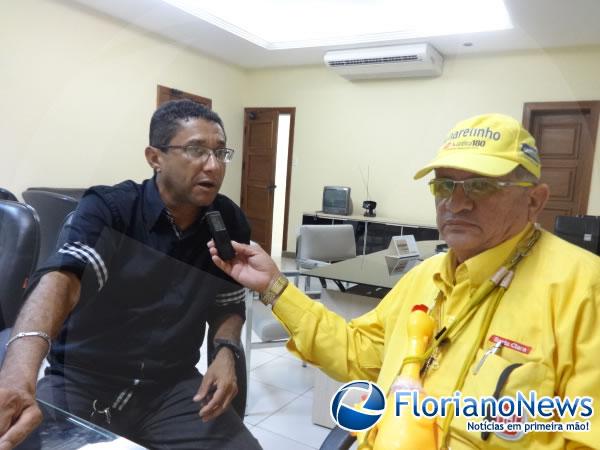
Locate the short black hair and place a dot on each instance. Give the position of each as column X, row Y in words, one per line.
column 166, row 120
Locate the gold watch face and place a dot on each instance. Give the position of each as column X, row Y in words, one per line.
column 279, row 284
column 275, row 290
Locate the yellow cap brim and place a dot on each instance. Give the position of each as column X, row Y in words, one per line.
column 487, row 165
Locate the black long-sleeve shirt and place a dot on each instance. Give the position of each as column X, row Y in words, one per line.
column 148, row 289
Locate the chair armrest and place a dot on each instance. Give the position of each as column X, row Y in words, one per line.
column 307, row 264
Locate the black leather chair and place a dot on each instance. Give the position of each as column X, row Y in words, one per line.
column 52, row 209
column 19, row 246
column 5, row 194
column 76, row 193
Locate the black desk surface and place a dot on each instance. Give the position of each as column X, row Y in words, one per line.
column 375, row 269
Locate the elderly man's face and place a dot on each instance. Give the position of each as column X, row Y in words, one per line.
column 469, row 226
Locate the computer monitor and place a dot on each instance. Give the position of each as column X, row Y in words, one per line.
column 336, row 200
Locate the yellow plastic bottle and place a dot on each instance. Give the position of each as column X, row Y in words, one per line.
column 406, row 431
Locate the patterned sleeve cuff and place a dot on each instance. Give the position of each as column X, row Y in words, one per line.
column 88, row 256
column 228, row 298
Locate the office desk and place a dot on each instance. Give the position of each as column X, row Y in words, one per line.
column 375, row 269
column 374, row 275
column 372, row 233
column 61, row 430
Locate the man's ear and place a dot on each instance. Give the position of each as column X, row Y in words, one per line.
column 154, row 158
column 538, row 196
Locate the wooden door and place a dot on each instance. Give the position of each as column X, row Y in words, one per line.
column 164, row 94
column 565, row 133
column 258, row 172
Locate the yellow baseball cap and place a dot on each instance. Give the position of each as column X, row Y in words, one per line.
column 491, row 145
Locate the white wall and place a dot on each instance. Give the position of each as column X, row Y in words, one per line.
column 78, row 90
column 396, row 126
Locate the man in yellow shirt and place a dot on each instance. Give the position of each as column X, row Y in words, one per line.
column 540, row 333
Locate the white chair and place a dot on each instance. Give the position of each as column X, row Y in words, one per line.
column 319, row 245
column 260, row 320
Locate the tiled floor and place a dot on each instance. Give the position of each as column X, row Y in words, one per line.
column 280, row 402
column 278, row 411
column 280, row 396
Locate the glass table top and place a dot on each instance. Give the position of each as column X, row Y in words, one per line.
column 375, row 269
column 61, row 430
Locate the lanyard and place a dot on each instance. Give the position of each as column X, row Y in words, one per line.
column 499, row 282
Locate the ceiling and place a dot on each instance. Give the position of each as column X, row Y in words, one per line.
column 536, row 24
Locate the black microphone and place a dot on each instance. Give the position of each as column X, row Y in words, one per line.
column 220, row 235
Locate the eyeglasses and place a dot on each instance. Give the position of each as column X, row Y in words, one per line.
column 201, row 154
column 475, row 188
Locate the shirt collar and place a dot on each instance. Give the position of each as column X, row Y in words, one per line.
column 154, row 208
column 477, row 269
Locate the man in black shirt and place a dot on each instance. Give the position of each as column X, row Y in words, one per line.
column 128, row 295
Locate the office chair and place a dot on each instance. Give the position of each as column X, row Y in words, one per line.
column 268, row 329
column 19, row 246
column 52, row 209
column 76, row 193
column 319, row 245
column 5, row 194
column 260, row 320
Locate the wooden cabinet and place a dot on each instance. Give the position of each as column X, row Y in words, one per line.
column 373, row 233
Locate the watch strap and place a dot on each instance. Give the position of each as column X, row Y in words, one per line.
column 274, row 291
column 219, row 343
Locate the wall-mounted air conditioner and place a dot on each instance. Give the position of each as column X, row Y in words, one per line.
column 415, row 60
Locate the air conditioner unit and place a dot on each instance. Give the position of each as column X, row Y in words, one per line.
column 415, row 60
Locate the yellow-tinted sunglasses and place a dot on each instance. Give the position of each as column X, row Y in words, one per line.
column 475, row 188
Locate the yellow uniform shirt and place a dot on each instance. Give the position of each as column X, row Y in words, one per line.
column 550, row 311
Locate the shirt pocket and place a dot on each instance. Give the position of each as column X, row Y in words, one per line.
column 497, row 375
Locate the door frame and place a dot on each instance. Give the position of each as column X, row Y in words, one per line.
column 288, row 178
column 164, row 93
column 591, row 107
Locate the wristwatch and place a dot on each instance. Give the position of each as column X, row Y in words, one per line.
column 274, row 291
column 232, row 345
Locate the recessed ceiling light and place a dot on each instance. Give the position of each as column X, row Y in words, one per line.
column 277, row 24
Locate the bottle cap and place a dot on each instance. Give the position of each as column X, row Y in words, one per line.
column 420, row 307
